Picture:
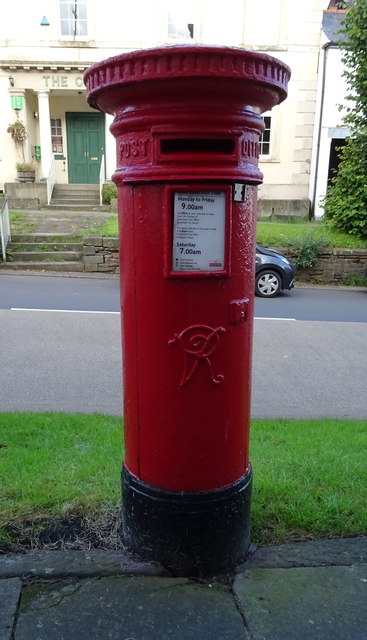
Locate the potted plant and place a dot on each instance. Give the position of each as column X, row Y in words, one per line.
column 17, row 131
column 26, row 172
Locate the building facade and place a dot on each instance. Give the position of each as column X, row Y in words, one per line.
column 329, row 132
column 44, row 53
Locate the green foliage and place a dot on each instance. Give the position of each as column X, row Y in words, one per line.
column 356, row 281
column 307, row 249
column 345, row 204
column 9, row 254
column 25, row 166
column 318, row 494
column 54, row 463
column 55, row 466
column 108, row 191
column 110, row 228
column 17, row 131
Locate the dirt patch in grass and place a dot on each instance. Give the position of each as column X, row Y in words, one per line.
column 97, row 530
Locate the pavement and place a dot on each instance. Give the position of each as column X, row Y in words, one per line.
column 313, row 590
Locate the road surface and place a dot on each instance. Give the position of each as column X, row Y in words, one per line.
column 71, row 361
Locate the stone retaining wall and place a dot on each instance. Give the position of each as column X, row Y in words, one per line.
column 26, row 195
column 101, row 254
column 333, row 265
column 282, row 209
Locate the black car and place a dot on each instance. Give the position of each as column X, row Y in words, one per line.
column 274, row 273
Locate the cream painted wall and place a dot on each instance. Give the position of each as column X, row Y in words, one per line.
column 67, row 93
column 287, row 172
column 291, row 32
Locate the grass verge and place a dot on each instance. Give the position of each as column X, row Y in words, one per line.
column 56, row 465
column 275, row 234
column 281, row 234
column 19, row 222
column 109, row 229
column 59, row 470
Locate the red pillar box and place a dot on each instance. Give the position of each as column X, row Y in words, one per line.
column 187, row 126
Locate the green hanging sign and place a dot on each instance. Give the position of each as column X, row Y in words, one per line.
column 17, row 102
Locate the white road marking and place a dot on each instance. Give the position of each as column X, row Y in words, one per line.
column 259, row 318
column 116, row 312
column 63, row 310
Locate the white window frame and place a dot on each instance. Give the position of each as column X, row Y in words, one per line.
column 74, row 22
column 56, row 125
column 266, row 137
column 177, row 14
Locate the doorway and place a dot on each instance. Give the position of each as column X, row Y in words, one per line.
column 334, row 160
column 85, row 139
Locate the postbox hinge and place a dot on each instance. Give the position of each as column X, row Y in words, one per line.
column 239, row 192
column 238, row 311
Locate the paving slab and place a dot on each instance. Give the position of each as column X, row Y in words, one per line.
column 9, row 597
column 60, row 564
column 319, row 603
column 309, row 553
column 128, row 608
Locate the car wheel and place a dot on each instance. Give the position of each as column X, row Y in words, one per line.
column 268, row 284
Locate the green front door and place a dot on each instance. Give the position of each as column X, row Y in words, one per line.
column 85, row 135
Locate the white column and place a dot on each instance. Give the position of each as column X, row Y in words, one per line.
column 110, row 148
column 45, row 132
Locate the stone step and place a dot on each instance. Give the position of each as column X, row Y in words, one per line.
column 44, row 237
column 45, row 246
column 77, row 187
column 47, row 256
column 76, row 207
column 67, row 191
column 43, row 266
column 75, row 196
column 74, row 201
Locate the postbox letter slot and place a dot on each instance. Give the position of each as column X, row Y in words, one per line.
column 223, row 146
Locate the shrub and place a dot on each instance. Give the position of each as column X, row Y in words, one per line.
column 356, row 281
column 345, row 205
column 25, row 166
column 307, row 249
column 109, row 191
column 346, row 201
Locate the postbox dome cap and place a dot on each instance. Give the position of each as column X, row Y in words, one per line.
column 261, row 75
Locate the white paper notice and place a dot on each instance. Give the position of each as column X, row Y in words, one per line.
column 199, row 231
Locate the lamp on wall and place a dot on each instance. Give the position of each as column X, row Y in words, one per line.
column 11, row 81
column 44, row 22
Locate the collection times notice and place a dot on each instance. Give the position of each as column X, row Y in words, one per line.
column 199, row 231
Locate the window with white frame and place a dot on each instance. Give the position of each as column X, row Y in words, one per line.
column 56, row 135
column 181, row 20
column 73, row 15
column 265, row 31
column 265, row 139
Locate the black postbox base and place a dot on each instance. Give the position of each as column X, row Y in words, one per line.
column 190, row 533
